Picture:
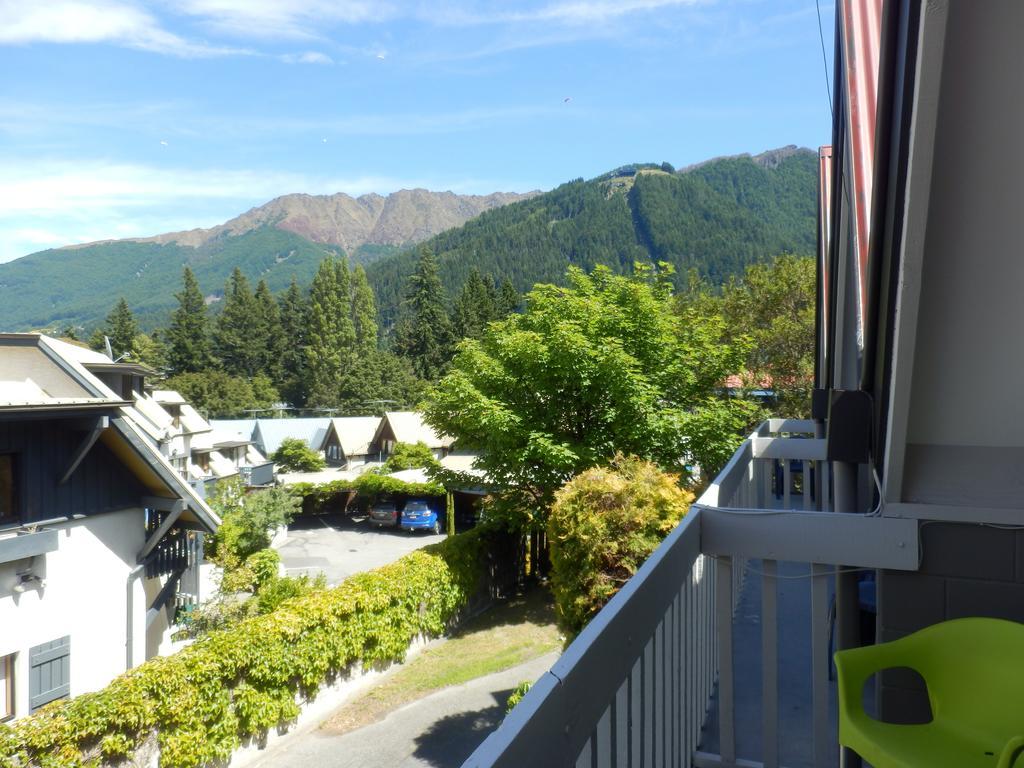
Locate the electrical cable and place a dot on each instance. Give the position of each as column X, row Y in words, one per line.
column 824, row 60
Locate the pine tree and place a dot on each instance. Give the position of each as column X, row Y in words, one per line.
column 327, row 343
column 424, row 333
column 271, row 340
column 120, row 327
column 188, row 338
column 475, row 306
column 509, row 299
column 364, row 313
column 294, row 318
column 237, row 335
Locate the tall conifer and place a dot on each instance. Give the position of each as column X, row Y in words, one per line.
column 270, row 341
column 364, row 313
column 294, row 318
column 326, row 342
column 424, row 333
column 188, row 337
column 238, row 333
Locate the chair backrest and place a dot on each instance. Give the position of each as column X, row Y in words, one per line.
column 974, row 669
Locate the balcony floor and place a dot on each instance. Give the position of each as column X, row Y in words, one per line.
column 796, row 749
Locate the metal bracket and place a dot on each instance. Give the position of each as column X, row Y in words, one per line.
column 87, row 443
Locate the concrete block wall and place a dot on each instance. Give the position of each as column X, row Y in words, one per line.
column 966, row 570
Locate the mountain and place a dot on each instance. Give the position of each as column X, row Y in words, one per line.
column 403, row 217
column 289, row 236
column 716, row 217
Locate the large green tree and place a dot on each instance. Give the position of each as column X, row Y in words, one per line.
column 120, row 327
column 294, row 317
column 424, row 333
column 238, row 329
column 364, row 313
column 188, row 337
column 329, row 334
column 602, row 367
column 774, row 304
column 270, row 339
column 475, row 306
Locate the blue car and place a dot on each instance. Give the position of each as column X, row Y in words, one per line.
column 418, row 516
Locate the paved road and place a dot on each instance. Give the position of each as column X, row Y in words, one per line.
column 338, row 547
column 439, row 731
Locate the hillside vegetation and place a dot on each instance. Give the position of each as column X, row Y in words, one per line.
column 716, row 218
column 77, row 286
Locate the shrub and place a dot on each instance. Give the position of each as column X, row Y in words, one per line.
column 240, row 682
column 293, row 455
column 264, row 566
column 246, row 521
column 603, row 525
column 517, row 695
column 409, row 456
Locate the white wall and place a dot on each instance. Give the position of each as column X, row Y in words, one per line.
column 85, row 596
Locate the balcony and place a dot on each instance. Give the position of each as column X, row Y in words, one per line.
column 718, row 651
column 258, row 476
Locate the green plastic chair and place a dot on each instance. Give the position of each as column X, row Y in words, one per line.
column 974, row 670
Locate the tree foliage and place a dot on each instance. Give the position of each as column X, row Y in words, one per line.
column 293, row 455
column 188, row 335
column 237, row 334
column 120, row 328
column 409, row 456
column 220, row 396
column 604, row 524
column 602, row 367
column 424, row 333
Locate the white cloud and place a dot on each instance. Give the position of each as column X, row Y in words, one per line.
column 94, row 21
column 307, row 57
column 277, row 19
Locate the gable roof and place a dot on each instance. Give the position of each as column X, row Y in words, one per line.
column 63, row 367
column 355, row 433
column 241, row 427
column 409, row 427
column 270, row 433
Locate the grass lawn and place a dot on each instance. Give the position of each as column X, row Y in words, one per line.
column 507, row 635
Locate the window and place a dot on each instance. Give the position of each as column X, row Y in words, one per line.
column 6, row 687
column 8, row 488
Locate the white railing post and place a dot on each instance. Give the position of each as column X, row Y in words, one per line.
column 723, row 620
column 769, row 666
column 820, row 664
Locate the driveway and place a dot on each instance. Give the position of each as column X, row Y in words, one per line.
column 339, row 546
column 438, row 731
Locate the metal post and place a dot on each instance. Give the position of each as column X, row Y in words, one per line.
column 847, row 597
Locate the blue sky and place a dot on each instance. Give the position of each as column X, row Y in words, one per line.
column 122, row 118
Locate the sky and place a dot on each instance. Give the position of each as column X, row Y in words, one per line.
column 124, row 118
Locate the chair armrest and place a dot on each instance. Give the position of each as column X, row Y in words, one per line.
column 855, row 665
column 1013, row 749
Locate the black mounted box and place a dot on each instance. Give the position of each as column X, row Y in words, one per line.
column 849, row 426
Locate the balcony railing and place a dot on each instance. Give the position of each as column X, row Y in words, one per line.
column 651, row 680
column 258, row 476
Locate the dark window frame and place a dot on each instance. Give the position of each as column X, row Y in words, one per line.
column 16, row 514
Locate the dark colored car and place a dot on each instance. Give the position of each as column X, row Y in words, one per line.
column 384, row 512
column 418, row 516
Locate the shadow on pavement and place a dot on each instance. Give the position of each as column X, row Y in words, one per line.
column 452, row 739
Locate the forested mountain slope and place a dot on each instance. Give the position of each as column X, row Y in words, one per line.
column 716, row 217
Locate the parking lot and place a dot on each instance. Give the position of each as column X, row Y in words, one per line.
column 339, row 546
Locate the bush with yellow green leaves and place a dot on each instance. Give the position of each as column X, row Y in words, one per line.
column 604, row 524
column 204, row 701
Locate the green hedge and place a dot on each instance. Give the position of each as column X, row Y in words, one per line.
column 203, row 701
column 368, row 484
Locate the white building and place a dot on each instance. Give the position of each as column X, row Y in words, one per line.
column 96, row 526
